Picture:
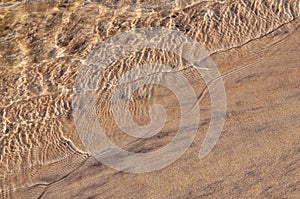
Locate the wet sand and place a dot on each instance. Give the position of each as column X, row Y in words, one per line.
column 255, row 46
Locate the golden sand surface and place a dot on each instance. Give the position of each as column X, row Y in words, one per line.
column 255, row 45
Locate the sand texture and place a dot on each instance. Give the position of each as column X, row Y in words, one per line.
column 255, row 46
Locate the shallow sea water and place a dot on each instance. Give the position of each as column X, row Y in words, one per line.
column 43, row 44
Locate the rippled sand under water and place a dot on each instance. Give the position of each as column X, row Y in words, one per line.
column 255, row 45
